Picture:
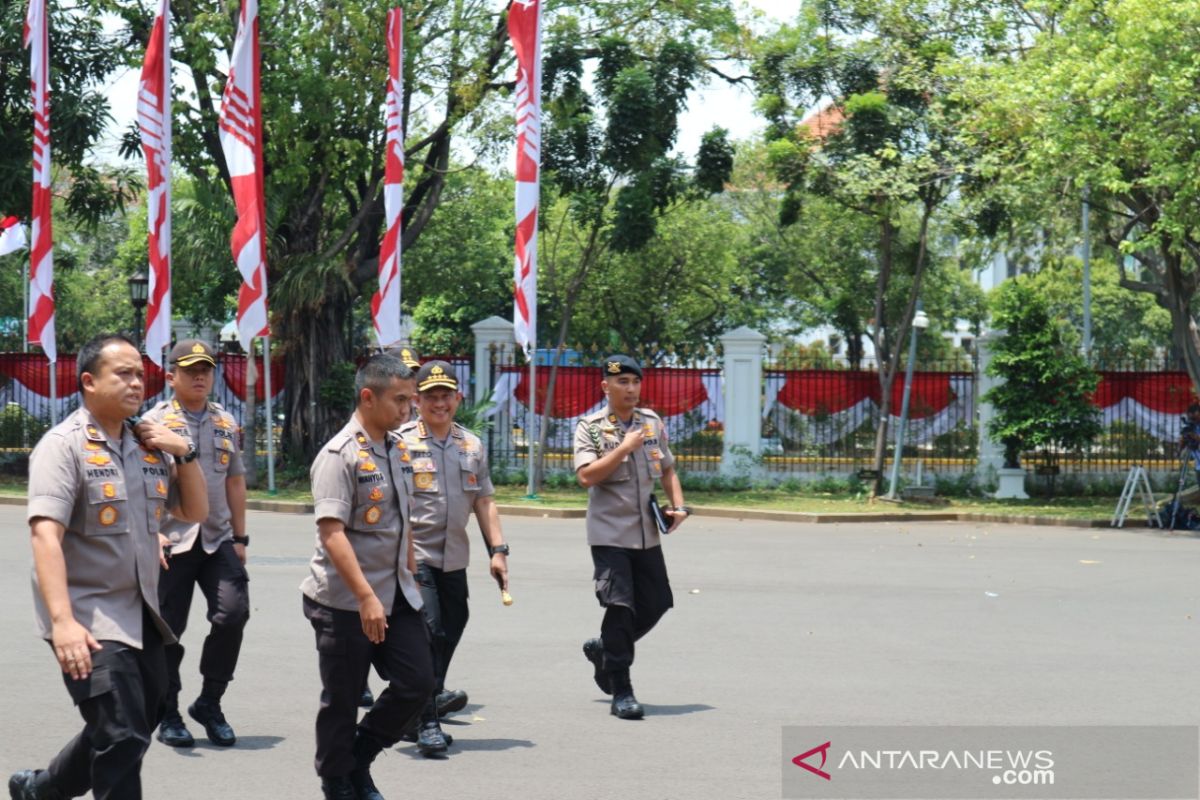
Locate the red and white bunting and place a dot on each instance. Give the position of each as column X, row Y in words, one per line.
column 41, row 252
column 525, row 30
column 154, row 121
column 385, row 305
column 240, row 125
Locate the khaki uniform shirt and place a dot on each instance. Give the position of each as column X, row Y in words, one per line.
column 618, row 512
column 361, row 484
column 111, row 497
column 447, row 478
column 215, row 439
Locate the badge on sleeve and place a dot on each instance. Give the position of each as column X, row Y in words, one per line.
column 372, row 516
column 108, row 515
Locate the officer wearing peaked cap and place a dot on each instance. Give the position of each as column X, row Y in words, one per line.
column 620, row 453
column 100, row 484
column 211, row 555
column 450, row 482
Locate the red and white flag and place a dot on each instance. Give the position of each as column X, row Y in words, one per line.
column 240, row 125
column 12, row 235
column 385, row 305
column 154, row 121
column 525, row 30
column 41, row 252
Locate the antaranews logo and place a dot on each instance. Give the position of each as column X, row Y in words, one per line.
column 820, row 772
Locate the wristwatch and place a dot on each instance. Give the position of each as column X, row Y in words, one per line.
column 500, row 548
column 242, row 540
column 189, row 456
column 685, row 509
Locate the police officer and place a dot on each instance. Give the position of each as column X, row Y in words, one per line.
column 212, row 554
column 100, row 484
column 411, row 360
column 450, row 482
column 360, row 595
column 620, row 453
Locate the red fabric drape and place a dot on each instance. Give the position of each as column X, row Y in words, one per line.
column 234, row 367
column 1165, row 392
column 666, row 390
column 828, row 391
column 32, row 371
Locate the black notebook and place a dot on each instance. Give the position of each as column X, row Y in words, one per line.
column 660, row 519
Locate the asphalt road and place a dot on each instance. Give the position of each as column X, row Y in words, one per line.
column 774, row 624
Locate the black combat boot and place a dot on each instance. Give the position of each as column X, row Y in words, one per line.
column 366, row 747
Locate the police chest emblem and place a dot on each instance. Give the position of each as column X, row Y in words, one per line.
column 367, row 466
column 91, row 446
column 376, row 494
column 224, row 459
column 109, row 491
column 160, row 487
column 222, row 423
column 99, row 460
column 372, row 516
column 108, row 515
column 363, row 454
column 423, row 480
column 471, row 479
column 150, row 458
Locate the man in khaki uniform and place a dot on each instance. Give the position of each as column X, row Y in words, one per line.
column 450, row 482
column 100, row 485
column 212, row 554
column 620, row 453
column 360, row 595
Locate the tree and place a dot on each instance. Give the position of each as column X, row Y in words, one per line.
column 1101, row 96
column 885, row 149
column 323, row 80
column 1043, row 399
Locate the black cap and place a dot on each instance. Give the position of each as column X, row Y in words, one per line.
column 614, row 365
column 435, row 374
column 192, row 351
column 407, row 355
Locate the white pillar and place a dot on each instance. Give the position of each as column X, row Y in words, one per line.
column 743, row 379
column 990, row 467
column 494, row 335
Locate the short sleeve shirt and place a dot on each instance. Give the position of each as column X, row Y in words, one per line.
column 618, row 513
column 448, row 476
column 215, row 436
column 111, row 497
column 360, row 483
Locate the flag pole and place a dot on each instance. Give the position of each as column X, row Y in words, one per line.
column 531, row 435
column 53, row 393
column 270, row 415
column 25, row 305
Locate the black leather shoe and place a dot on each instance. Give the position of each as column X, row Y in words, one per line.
column 450, row 701
column 23, row 786
column 364, row 787
column 173, row 733
column 367, row 699
column 338, row 789
column 208, row 714
column 626, row 706
column 431, row 740
column 593, row 649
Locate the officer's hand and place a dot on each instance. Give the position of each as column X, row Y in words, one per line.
column 164, row 551
column 156, row 436
column 374, row 622
column 73, row 646
column 633, row 439
column 677, row 518
column 500, row 570
column 240, row 551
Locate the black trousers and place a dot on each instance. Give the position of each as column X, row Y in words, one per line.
column 225, row 584
column 445, row 612
column 344, row 656
column 121, row 703
column 634, row 590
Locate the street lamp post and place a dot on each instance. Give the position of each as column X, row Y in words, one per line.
column 919, row 323
column 139, row 294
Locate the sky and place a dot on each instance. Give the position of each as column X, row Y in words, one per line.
column 717, row 103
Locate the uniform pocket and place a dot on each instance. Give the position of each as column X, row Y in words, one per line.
column 108, row 509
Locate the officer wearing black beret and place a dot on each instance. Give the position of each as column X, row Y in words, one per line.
column 620, row 453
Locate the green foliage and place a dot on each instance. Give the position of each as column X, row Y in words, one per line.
column 474, row 416
column 337, row 388
column 1042, row 402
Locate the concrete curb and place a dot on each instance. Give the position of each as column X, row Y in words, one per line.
column 296, row 507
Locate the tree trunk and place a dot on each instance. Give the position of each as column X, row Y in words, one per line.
column 316, row 341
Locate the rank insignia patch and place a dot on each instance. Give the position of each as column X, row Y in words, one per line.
column 110, row 491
